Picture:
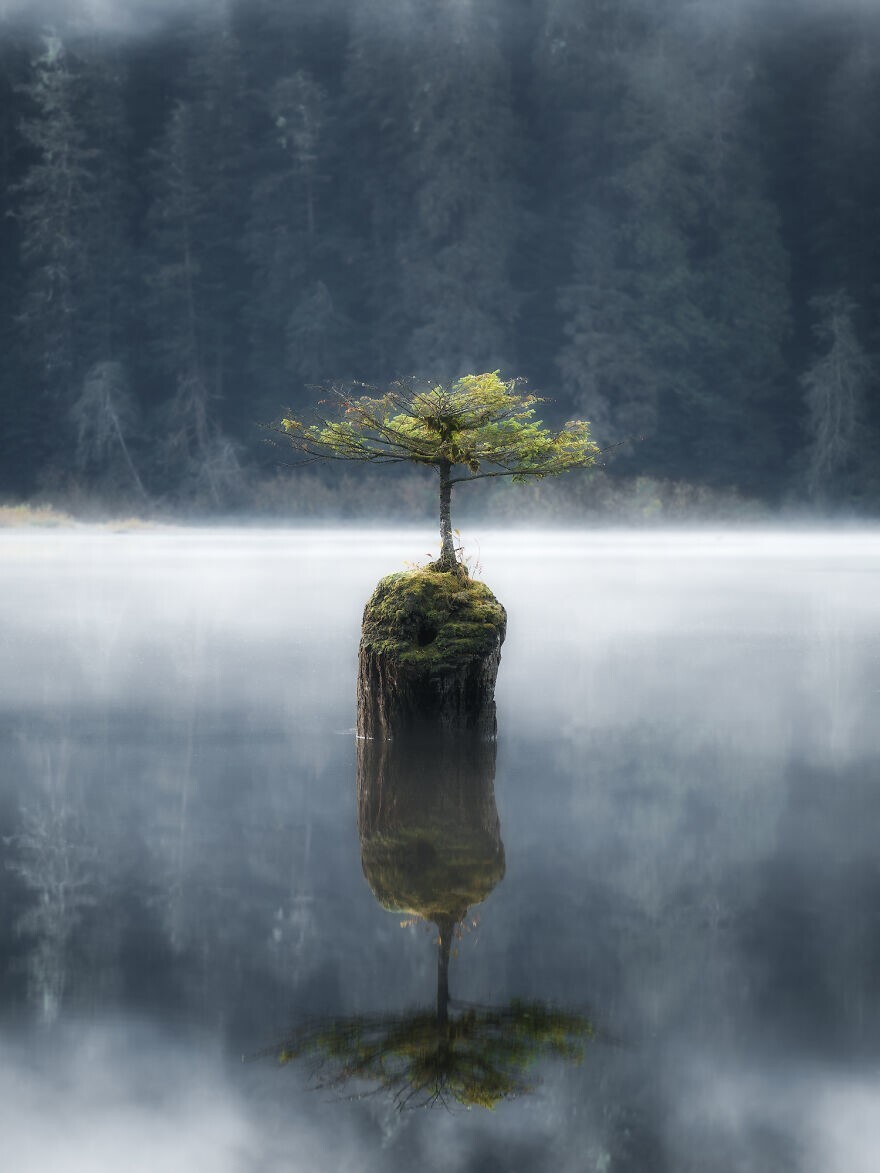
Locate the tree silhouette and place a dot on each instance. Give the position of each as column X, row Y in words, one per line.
column 105, row 416
column 478, row 424
column 835, row 392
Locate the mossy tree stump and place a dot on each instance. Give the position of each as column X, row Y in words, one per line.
column 430, row 649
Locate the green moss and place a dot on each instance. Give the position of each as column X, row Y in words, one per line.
column 433, row 870
column 433, row 619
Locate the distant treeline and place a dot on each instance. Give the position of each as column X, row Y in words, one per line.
column 666, row 216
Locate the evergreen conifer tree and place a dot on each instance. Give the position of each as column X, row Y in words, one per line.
column 835, row 391
column 676, row 307
column 74, row 247
column 196, row 272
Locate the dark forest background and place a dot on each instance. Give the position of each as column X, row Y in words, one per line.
column 665, row 214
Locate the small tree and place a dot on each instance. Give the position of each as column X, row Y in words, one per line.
column 835, row 390
column 479, row 424
column 105, row 415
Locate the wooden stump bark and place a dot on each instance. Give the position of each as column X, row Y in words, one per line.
column 429, row 655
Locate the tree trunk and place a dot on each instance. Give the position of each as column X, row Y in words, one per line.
column 122, row 444
column 446, row 927
column 447, row 560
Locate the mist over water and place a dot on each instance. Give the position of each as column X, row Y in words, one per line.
column 687, row 787
column 104, row 16
column 148, row 15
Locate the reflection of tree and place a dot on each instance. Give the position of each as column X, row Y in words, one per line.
column 476, row 1058
column 429, row 830
column 56, row 866
column 431, row 846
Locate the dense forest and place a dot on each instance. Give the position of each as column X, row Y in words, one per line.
column 664, row 214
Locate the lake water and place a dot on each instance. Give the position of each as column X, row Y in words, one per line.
column 687, row 785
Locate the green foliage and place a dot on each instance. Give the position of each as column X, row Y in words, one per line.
column 478, row 422
column 476, row 1059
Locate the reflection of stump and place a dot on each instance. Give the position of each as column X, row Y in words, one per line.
column 429, row 655
column 430, row 836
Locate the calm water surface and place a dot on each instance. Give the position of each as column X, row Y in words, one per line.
column 687, row 787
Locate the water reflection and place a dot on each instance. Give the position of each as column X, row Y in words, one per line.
column 429, row 831
column 54, row 861
column 687, row 785
column 431, row 850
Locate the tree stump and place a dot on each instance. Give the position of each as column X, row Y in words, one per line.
column 430, row 649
